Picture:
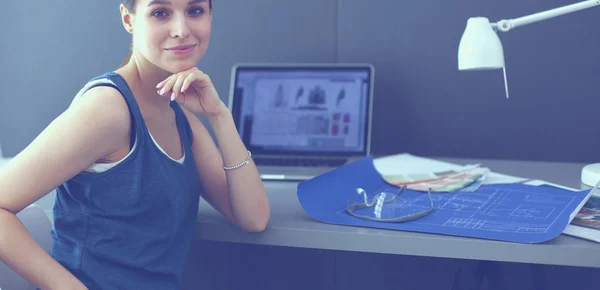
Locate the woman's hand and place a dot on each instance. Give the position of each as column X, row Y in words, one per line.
column 194, row 90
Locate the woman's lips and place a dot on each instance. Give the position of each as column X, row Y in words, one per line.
column 182, row 49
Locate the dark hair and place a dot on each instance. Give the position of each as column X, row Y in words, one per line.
column 130, row 5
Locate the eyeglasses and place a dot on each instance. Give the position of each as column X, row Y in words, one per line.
column 385, row 206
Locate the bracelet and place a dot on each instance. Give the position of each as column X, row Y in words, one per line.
column 241, row 164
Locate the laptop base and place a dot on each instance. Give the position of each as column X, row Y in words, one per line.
column 290, row 173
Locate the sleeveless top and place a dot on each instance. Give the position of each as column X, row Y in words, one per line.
column 130, row 226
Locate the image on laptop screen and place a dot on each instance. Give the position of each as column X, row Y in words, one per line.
column 303, row 110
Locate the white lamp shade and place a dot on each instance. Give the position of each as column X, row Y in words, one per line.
column 480, row 47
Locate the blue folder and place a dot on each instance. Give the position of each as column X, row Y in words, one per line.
column 506, row 212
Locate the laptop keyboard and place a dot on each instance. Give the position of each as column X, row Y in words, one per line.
column 316, row 162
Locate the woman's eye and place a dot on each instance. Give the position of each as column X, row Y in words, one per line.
column 160, row 13
column 196, row 11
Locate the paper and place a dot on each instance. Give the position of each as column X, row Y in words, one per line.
column 410, row 164
column 466, row 179
column 586, row 223
column 507, row 212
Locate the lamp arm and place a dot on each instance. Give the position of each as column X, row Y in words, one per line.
column 508, row 24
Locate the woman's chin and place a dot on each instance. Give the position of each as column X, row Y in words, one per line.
column 179, row 66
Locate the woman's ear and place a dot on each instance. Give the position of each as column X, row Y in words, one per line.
column 126, row 18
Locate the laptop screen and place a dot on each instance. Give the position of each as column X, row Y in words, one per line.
column 303, row 110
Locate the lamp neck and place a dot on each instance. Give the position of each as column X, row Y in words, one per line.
column 508, row 24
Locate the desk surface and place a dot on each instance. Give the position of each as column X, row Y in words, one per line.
column 290, row 226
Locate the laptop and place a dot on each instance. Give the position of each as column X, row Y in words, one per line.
column 302, row 120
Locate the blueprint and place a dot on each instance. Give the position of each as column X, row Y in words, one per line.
column 492, row 208
column 507, row 212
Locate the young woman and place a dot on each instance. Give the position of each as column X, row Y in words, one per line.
column 130, row 160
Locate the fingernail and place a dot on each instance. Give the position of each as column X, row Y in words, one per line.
column 162, row 92
column 182, row 89
column 172, row 96
column 158, row 86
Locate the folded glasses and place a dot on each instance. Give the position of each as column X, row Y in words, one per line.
column 387, row 206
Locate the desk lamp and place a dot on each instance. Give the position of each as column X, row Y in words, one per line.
column 480, row 49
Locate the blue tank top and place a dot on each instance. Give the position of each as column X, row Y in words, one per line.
column 130, row 227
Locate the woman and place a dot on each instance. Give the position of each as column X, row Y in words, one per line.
column 129, row 160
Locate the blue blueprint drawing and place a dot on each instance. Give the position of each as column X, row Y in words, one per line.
column 506, row 212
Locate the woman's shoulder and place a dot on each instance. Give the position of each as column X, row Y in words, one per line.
column 102, row 101
column 103, row 83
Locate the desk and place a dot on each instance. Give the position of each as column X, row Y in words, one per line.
column 326, row 254
column 290, row 226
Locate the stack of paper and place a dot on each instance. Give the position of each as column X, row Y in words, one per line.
column 467, row 179
column 407, row 164
column 585, row 221
column 511, row 211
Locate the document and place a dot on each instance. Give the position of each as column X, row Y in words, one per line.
column 585, row 220
column 408, row 164
column 586, row 224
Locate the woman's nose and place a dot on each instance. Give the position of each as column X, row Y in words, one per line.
column 180, row 28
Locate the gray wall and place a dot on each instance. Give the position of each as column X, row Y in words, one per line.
column 423, row 104
column 49, row 50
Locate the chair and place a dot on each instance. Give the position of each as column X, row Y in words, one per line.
column 38, row 224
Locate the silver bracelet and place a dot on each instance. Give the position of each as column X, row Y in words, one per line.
column 241, row 164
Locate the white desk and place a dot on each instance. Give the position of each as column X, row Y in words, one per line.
column 290, row 226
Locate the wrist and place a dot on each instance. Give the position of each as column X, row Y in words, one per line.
column 224, row 116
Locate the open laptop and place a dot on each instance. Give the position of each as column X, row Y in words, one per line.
column 302, row 120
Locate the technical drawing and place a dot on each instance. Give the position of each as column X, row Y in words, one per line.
column 488, row 209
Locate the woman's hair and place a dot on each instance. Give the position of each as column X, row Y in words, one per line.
column 130, row 5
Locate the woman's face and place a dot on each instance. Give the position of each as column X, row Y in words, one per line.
column 171, row 34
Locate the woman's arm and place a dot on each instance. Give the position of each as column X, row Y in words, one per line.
column 238, row 194
column 93, row 127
